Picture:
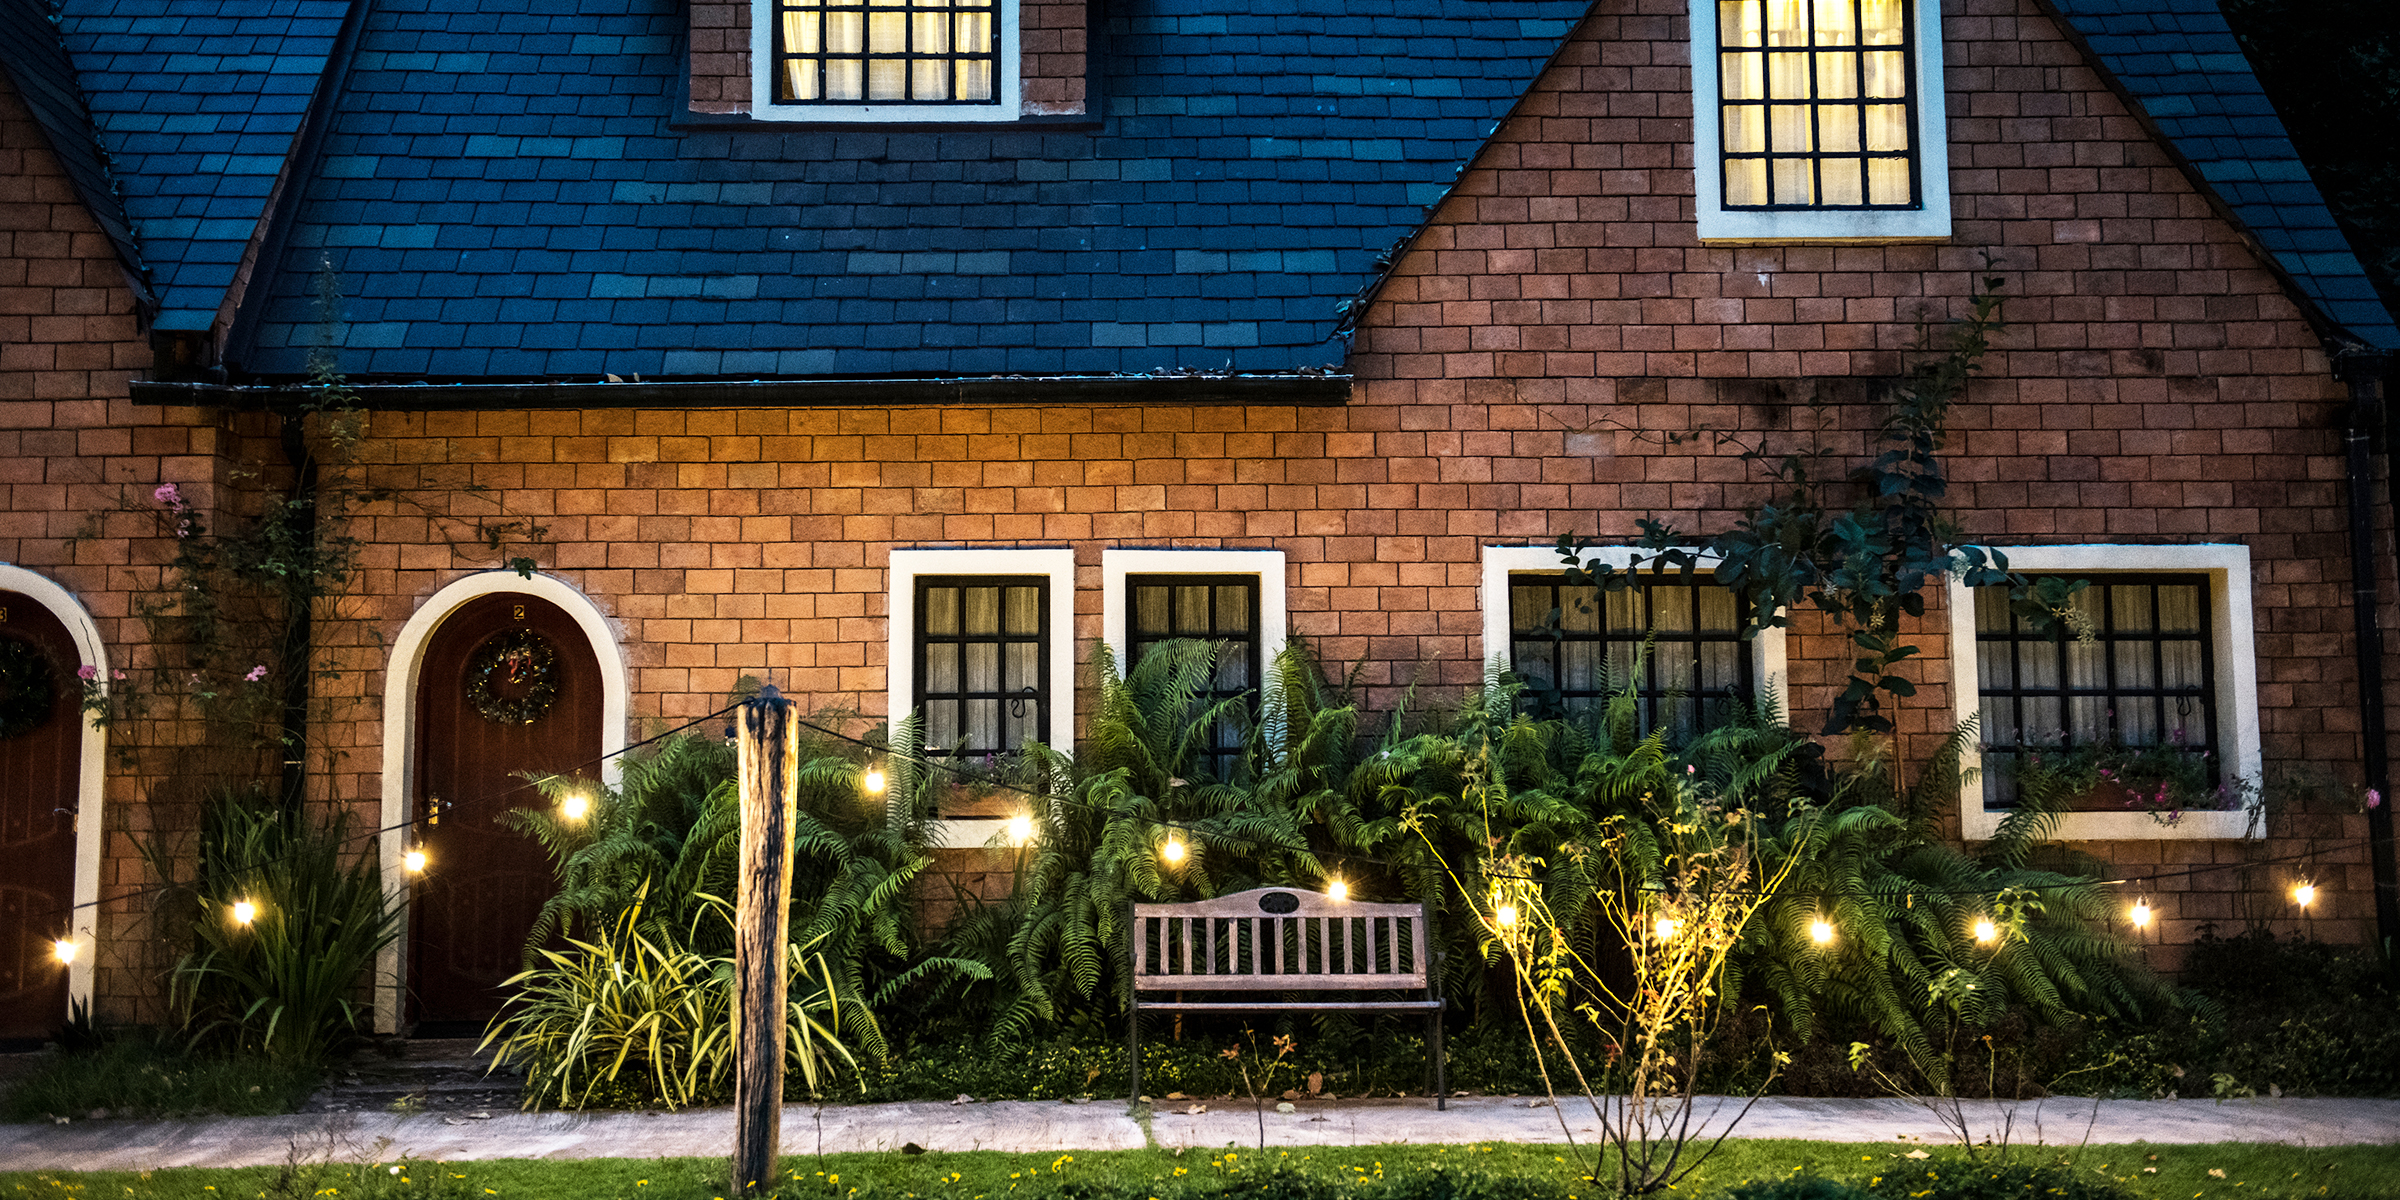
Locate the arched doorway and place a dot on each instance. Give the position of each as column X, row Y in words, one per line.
column 509, row 683
column 41, row 789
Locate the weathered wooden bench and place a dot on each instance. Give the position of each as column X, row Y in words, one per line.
column 1284, row 950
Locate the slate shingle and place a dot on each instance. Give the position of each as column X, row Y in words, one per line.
column 1306, row 134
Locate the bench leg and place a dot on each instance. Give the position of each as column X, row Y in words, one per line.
column 1441, row 1081
column 1133, row 1050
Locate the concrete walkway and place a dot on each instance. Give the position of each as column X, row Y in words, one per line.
column 1041, row 1127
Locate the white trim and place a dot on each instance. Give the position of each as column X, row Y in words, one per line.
column 900, row 656
column 400, row 719
column 91, row 780
column 2228, row 569
column 1273, row 625
column 1928, row 222
column 1768, row 660
column 1009, row 106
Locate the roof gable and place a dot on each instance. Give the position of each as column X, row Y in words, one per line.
column 2179, row 60
column 36, row 61
column 197, row 103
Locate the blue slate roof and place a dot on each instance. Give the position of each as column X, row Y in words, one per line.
column 197, row 102
column 2180, row 61
column 502, row 196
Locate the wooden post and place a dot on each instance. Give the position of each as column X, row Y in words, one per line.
column 770, row 784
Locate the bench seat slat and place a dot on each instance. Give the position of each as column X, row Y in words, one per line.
column 1292, row 1005
column 1278, row 983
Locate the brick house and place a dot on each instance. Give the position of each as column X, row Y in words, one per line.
column 900, row 362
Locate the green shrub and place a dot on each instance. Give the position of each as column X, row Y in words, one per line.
column 285, row 984
column 634, row 1016
column 140, row 1076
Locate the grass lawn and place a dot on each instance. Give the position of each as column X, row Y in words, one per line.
column 2151, row 1172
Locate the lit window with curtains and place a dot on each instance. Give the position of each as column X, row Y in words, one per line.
column 1698, row 662
column 1208, row 608
column 1817, row 105
column 982, row 670
column 2146, row 677
column 886, row 51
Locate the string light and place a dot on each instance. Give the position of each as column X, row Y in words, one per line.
column 1337, row 890
column 873, row 781
column 1172, row 851
column 1985, row 931
column 1820, row 931
column 63, row 950
column 244, row 912
column 414, row 862
column 2140, row 914
column 1506, row 914
column 2306, row 894
column 1020, row 829
column 576, row 806
column 1666, row 929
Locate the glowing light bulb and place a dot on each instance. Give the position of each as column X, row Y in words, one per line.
column 2306, row 894
column 575, row 807
column 1506, row 914
column 63, row 950
column 1820, row 931
column 1337, row 889
column 1172, row 851
column 1020, row 829
column 244, row 912
column 1666, row 929
column 874, row 781
column 414, row 861
column 2140, row 914
column 1985, row 931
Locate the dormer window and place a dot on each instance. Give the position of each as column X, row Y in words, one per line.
column 1819, row 120
column 886, row 60
column 886, row 52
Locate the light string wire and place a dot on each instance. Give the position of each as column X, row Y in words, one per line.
column 410, row 823
column 943, row 764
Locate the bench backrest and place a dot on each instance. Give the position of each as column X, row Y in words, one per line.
column 1276, row 939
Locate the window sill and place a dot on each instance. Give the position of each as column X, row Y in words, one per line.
column 695, row 122
column 2238, row 824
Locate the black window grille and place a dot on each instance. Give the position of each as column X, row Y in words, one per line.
column 1699, row 663
column 1213, row 608
column 1817, row 105
column 2146, row 678
column 983, row 667
column 887, row 52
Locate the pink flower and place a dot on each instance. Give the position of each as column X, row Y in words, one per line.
column 168, row 495
column 256, row 673
column 88, row 673
column 2374, row 798
column 116, row 673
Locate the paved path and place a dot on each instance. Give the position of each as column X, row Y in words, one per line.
column 1031, row 1126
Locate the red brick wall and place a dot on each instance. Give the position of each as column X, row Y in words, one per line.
column 1051, row 54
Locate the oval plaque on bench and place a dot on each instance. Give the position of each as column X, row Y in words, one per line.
column 1279, row 903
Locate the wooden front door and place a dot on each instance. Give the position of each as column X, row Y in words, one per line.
column 41, row 773
column 509, row 685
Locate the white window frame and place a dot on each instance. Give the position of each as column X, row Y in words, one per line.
column 2232, row 642
column 1928, row 222
column 1008, row 56
column 900, row 671
column 1268, row 565
column 1768, row 663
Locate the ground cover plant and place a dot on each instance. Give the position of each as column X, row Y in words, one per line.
column 136, row 1075
column 1747, row 1170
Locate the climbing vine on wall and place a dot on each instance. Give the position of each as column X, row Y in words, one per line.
column 1866, row 563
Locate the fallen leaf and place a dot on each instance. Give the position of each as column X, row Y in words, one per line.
column 963, row 1098
column 1195, row 1110
column 1316, row 1082
column 1916, row 1154
column 1177, row 1096
column 2216, row 1172
column 1285, row 1106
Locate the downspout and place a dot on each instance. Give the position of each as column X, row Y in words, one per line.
column 299, row 633
column 2364, row 373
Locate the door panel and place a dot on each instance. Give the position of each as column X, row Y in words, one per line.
column 40, row 779
column 484, row 883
